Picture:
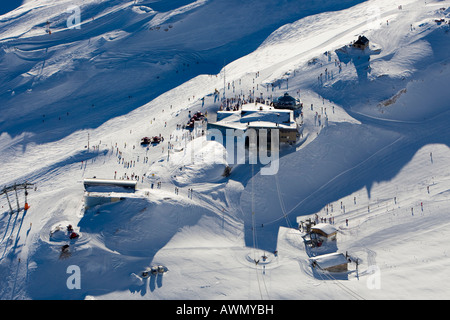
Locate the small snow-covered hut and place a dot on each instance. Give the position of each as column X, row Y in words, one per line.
column 325, row 230
column 332, row 262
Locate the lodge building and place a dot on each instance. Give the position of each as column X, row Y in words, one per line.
column 259, row 116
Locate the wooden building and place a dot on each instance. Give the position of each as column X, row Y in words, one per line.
column 331, row 262
column 325, row 231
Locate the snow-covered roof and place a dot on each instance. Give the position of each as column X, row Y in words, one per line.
column 225, row 114
column 287, row 98
column 330, row 260
column 325, row 228
column 256, row 116
column 270, row 116
column 270, row 125
column 249, row 107
column 236, row 125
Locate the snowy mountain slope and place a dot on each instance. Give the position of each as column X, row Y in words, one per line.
column 140, row 51
column 380, row 153
column 388, row 151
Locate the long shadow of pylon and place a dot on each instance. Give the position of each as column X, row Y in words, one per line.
column 14, row 188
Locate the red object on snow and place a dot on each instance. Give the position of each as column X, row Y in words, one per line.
column 73, row 235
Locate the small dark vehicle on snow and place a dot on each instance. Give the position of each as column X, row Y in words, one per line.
column 156, row 140
column 145, row 141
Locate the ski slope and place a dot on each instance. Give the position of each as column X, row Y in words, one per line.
column 76, row 103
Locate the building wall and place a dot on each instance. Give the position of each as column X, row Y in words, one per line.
column 324, row 235
column 338, row 268
column 92, row 201
column 288, row 136
column 360, row 46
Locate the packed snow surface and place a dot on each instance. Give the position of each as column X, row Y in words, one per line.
column 372, row 158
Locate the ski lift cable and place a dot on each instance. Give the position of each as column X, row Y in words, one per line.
column 254, row 251
column 265, row 287
column 329, row 276
column 280, row 198
column 259, row 284
column 283, row 208
column 255, row 245
column 343, row 287
column 254, row 237
column 345, row 172
column 321, row 276
column 325, row 276
column 336, row 177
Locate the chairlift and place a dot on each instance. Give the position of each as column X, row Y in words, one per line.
column 14, row 189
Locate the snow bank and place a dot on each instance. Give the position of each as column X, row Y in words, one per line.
column 200, row 161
